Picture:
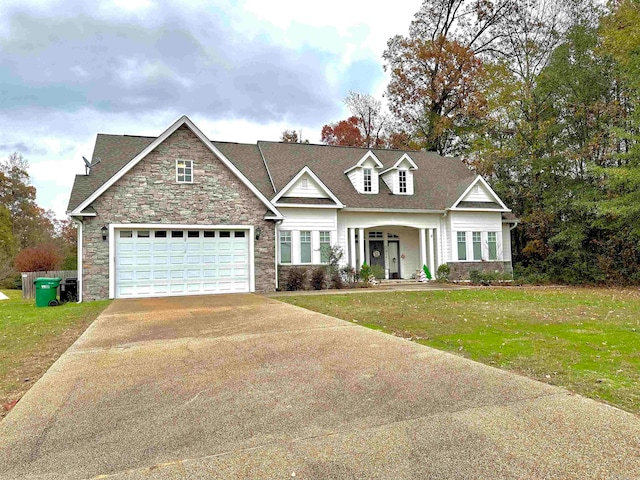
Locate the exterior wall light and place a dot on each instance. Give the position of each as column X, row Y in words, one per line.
column 105, row 232
column 258, row 233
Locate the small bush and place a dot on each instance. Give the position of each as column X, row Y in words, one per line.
column 296, row 279
column 365, row 272
column 488, row 278
column 377, row 271
column 443, row 272
column 37, row 259
column 319, row 278
column 348, row 275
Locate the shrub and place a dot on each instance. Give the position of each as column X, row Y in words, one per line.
column 487, row 278
column 296, row 279
column 348, row 275
column 443, row 272
column 37, row 259
column 319, row 278
column 377, row 271
column 365, row 272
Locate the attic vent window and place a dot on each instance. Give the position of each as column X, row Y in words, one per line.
column 367, row 179
column 184, row 171
column 402, row 181
column 305, row 183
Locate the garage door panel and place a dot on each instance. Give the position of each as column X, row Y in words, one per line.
column 173, row 262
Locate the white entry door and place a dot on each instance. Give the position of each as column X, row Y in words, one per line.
column 156, row 263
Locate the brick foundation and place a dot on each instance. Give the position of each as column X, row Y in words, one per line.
column 459, row 271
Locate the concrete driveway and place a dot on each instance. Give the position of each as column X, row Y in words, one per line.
column 247, row 387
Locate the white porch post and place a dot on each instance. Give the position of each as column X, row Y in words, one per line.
column 423, row 249
column 352, row 247
column 360, row 247
column 432, row 254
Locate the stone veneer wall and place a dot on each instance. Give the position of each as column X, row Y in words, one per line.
column 460, row 270
column 148, row 193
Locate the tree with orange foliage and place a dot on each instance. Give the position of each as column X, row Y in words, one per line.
column 345, row 133
column 437, row 72
column 38, row 259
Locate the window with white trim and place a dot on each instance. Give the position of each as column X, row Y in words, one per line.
column 285, row 247
column 462, row 245
column 477, row 245
column 325, row 246
column 492, row 240
column 376, row 235
column 184, row 171
column 366, row 172
column 402, row 181
column 305, row 247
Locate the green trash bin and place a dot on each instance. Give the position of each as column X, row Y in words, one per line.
column 47, row 291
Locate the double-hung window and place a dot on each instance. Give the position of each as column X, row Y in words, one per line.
column 477, row 245
column 367, row 180
column 402, row 181
column 285, row 247
column 492, row 240
column 305, row 247
column 325, row 246
column 462, row 245
column 184, row 171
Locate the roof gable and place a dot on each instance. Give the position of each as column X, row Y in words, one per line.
column 184, row 120
column 477, row 193
column 321, row 191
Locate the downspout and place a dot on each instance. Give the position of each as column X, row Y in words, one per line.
column 79, row 242
column 275, row 248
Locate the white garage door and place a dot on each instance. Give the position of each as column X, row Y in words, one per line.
column 156, row 263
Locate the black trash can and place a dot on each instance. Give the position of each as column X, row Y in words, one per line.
column 69, row 290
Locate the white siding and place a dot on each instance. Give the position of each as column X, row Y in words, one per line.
column 312, row 189
column 475, row 222
column 478, row 194
column 387, row 178
column 313, row 220
column 392, row 180
column 506, row 241
column 357, row 177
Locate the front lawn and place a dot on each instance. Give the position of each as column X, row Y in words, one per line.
column 31, row 339
column 587, row 340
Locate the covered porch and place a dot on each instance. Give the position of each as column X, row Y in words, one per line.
column 400, row 250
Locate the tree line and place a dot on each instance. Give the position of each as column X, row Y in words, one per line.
column 31, row 238
column 542, row 99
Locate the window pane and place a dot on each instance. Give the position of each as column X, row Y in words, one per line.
column 143, row 233
column 402, row 177
column 193, row 234
column 209, row 233
column 305, row 247
column 285, row 247
column 493, row 245
column 462, row 246
column 161, row 234
column 477, row 246
column 177, row 234
column 126, row 234
column 367, row 179
column 225, row 234
column 238, row 234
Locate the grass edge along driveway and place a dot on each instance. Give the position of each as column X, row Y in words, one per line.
column 32, row 338
column 584, row 339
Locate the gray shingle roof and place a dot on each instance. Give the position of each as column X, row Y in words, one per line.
column 438, row 182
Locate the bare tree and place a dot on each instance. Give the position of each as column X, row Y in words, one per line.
column 372, row 120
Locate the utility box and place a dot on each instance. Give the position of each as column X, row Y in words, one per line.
column 69, row 290
column 47, row 291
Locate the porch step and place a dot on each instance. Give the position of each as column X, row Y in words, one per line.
column 399, row 281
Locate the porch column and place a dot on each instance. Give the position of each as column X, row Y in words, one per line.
column 360, row 247
column 432, row 254
column 352, row 247
column 423, row 248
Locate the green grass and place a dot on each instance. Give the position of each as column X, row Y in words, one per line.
column 587, row 340
column 32, row 338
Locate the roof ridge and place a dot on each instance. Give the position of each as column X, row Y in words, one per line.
column 380, row 149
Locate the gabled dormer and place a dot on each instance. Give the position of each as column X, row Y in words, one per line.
column 364, row 174
column 399, row 178
column 306, row 189
column 479, row 196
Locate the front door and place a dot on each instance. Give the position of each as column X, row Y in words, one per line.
column 394, row 259
column 376, row 253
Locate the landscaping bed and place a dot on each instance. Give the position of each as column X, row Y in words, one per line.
column 31, row 339
column 585, row 339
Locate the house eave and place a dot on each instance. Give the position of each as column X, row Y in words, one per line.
column 391, row 210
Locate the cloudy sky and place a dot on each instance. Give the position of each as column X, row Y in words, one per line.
column 241, row 70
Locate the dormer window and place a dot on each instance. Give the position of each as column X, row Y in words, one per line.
column 367, row 179
column 402, row 181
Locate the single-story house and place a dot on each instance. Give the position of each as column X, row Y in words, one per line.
column 180, row 214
